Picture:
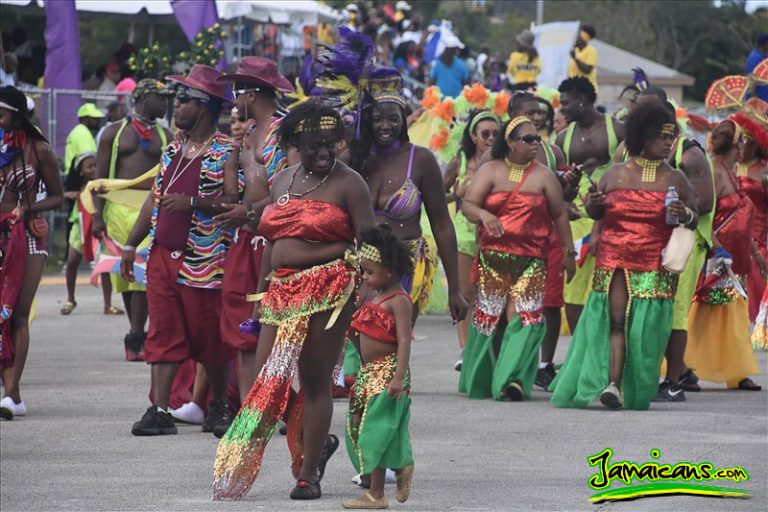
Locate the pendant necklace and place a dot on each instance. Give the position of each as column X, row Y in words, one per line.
column 178, row 174
column 283, row 199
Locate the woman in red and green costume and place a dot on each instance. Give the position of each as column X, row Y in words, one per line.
column 622, row 334
column 319, row 207
column 515, row 200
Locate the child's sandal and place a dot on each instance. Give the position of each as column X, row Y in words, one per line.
column 404, row 479
column 366, row 502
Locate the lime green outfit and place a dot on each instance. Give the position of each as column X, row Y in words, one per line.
column 80, row 140
column 466, row 231
column 120, row 218
column 686, row 286
column 578, row 289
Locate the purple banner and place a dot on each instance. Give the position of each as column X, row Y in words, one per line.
column 62, row 66
column 195, row 15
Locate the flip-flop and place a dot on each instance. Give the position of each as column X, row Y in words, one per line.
column 306, row 490
column 68, row 307
column 749, row 385
column 112, row 310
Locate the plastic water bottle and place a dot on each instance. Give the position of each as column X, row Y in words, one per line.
column 672, row 195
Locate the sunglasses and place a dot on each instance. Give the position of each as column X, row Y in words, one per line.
column 487, row 134
column 528, row 139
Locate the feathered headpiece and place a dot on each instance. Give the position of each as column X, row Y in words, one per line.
column 757, row 131
column 640, row 79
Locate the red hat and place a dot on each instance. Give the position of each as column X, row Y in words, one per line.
column 260, row 71
column 204, row 78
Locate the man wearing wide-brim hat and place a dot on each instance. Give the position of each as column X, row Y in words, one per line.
column 187, row 251
column 257, row 85
column 129, row 149
column 524, row 64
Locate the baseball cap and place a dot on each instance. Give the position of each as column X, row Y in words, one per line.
column 89, row 110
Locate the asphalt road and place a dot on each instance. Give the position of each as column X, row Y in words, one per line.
column 74, row 450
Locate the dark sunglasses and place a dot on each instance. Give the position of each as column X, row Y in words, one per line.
column 528, row 139
column 487, row 134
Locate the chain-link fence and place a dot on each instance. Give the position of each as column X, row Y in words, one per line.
column 55, row 113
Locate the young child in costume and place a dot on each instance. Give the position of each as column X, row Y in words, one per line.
column 379, row 410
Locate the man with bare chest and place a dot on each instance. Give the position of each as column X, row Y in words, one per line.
column 257, row 84
column 590, row 141
column 128, row 152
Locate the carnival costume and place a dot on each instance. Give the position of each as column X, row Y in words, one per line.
column 577, row 290
column 719, row 345
column 292, row 299
column 508, row 268
column 121, row 210
column 377, row 424
column 634, row 234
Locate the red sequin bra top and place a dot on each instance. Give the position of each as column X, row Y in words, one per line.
column 308, row 219
column 376, row 323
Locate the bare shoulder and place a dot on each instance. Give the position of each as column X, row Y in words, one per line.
column 423, row 156
column 351, row 177
column 398, row 302
column 110, row 131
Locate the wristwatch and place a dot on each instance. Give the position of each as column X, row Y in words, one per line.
column 250, row 213
column 194, row 201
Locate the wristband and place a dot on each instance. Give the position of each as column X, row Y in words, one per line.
column 129, row 248
column 570, row 252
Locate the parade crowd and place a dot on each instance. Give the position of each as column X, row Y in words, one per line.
column 293, row 246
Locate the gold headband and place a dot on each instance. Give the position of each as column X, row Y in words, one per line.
column 369, row 252
column 668, row 129
column 324, row 123
column 514, row 124
column 585, row 36
column 736, row 132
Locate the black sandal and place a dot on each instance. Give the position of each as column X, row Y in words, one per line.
column 749, row 385
column 329, row 448
column 306, row 490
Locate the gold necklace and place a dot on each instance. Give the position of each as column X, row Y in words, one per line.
column 176, row 173
column 742, row 168
column 516, row 171
column 649, row 168
column 283, row 199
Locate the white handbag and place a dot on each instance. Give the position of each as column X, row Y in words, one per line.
column 675, row 255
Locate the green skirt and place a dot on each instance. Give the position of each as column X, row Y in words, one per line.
column 487, row 370
column 351, row 364
column 377, row 424
column 648, row 325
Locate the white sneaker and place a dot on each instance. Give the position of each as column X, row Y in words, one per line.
column 459, row 363
column 611, row 397
column 190, row 413
column 9, row 409
column 390, row 477
column 357, row 479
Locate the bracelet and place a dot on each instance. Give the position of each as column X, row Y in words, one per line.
column 689, row 216
column 570, row 252
column 129, row 248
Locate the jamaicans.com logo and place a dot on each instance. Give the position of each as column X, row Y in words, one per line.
column 683, row 478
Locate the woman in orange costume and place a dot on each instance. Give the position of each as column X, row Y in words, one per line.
column 719, row 344
column 319, row 207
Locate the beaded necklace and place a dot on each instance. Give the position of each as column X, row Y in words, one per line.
column 283, row 199
column 516, row 171
column 649, row 168
column 742, row 168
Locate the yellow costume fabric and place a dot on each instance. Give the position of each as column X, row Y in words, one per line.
column 121, row 211
column 523, row 70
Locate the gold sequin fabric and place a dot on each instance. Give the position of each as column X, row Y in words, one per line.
column 290, row 302
column 373, row 379
column 654, row 284
column 503, row 277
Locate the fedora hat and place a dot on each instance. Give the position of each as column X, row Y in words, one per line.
column 526, row 38
column 259, row 71
column 204, row 78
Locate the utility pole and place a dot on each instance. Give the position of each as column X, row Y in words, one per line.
column 539, row 12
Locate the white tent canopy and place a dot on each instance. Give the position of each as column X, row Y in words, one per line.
column 304, row 12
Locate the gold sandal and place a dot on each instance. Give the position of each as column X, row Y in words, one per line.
column 366, row 502
column 112, row 310
column 404, row 480
column 68, row 307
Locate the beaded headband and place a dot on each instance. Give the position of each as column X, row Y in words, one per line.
column 482, row 116
column 324, row 123
column 514, row 123
column 668, row 129
column 369, row 252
